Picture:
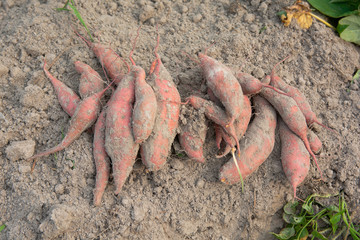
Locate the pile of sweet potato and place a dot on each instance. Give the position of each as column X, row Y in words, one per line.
column 142, row 115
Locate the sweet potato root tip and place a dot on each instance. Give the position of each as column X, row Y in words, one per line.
column 68, row 99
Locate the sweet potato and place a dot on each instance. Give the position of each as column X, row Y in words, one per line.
column 256, row 146
column 155, row 150
column 119, row 140
column 90, row 80
column 85, row 115
column 291, row 115
column 314, row 141
column 295, row 158
column 108, row 59
column 298, row 96
column 145, row 108
column 224, row 85
column 102, row 161
column 68, row 99
column 192, row 136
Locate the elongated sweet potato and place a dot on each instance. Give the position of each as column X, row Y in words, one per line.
column 85, row 115
column 68, row 99
column 102, row 161
column 224, row 85
column 108, row 58
column 299, row 98
column 256, row 146
column 145, row 108
column 90, row 80
column 291, row 115
column 119, row 140
column 155, row 150
column 295, row 158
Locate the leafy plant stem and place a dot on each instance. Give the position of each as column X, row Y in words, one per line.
column 316, row 216
column 322, row 20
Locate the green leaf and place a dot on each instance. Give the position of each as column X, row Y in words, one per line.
column 287, row 217
column 285, row 233
column 334, row 221
column 2, row 227
column 297, row 220
column 290, row 207
column 335, row 9
column 303, row 234
column 333, row 208
column 349, row 29
column 318, row 235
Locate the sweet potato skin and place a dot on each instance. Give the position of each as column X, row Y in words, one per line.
column 155, row 150
column 223, row 84
column 102, row 161
column 90, row 80
column 295, row 158
column 119, row 140
column 256, row 146
column 145, row 108
column 68, row 99
column 110, row 60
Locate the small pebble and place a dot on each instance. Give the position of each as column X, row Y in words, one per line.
column 263, row 7
column 253, row 28
column 249, row 17
column 255, row 3
column 125, row 202
column 197, row 18
column 59, row 189
column 258, row 73
column 20, row 150
column 24, row 168
column 330, row 173
column 138, row 213
column 147, row 13
column 177, row 164
column 184, row 9
column 200, row 183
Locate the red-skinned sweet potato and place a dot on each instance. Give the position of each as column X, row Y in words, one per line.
column 295, row 158
column 256, row 146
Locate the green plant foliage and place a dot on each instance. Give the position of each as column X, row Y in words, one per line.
column 2, row 227
column 71, row 4
column 313, row 220
column 349, row 28
column 336, row 8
